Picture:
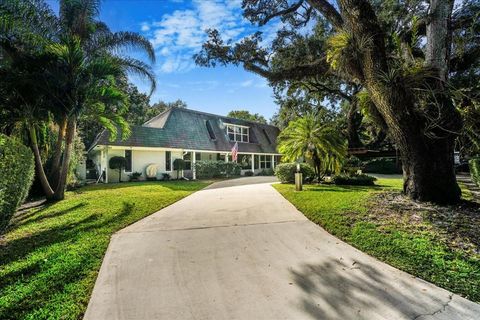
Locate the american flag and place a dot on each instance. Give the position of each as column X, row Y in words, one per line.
column 235, row 152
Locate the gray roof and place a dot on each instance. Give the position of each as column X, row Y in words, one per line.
column 182, row 128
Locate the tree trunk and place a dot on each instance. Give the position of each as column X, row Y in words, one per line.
column 57, row 157
column 354, row 121
column 47, row 189
column 62, row 179
column 427, row 161
column 428, row 169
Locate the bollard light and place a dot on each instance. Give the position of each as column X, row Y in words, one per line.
column 298, row 179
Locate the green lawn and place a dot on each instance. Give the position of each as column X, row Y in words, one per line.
column 50, row 258
column 422, row 248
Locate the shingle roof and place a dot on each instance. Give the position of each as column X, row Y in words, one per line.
column 182, row 128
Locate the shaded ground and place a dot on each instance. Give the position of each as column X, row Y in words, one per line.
column 244, row 252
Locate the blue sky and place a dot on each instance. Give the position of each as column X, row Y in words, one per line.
column 176, row 29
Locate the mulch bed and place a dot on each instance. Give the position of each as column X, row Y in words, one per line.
column 456, row 225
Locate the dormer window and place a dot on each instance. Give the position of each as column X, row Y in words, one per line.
column 237, row 133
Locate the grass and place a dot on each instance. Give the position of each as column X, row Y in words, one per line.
column 50, row 257
column 422, row 249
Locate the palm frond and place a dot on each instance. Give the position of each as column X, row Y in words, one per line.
column 139, row 68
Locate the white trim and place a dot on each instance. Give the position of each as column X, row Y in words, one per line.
column 181, row 150
column 235, row 134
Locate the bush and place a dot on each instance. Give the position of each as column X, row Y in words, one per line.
column 352, row 165
column 354, row 180
column 16, row 175
column 135, row 176
column 248, row 173
column 475, row 170
column 166, row 176
column 118, row 163
column 285, row 172
column 207, row 169
column 381, row 165
column 230, row 168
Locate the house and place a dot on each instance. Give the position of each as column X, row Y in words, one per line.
column 189, row 135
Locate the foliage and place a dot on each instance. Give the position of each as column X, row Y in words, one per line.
column 475, row 170
column 418, row 248
column 352, row 164
column 166, row 176
column 65, row 68
column 246, row 115
column 354, row 179
column 16, row 175
column 118, row 163
column 381, row 165
column 311, row 138
column 51, row 256
column 207, row 169
column 248, row 173
column 285, row 172
column 134, row 176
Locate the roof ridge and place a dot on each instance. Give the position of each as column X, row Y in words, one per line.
column 219, row 116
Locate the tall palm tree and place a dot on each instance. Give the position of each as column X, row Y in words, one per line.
column 319, row 142
column 85, row 60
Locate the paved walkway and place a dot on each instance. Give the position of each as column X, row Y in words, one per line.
column 244, row 252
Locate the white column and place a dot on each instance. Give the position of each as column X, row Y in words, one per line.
column 226, row 157
column 273, row 161
column 194, row 160
column 106, row 164
column 253, row 163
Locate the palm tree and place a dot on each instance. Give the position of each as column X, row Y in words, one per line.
column 314, row 140
column 85, row 62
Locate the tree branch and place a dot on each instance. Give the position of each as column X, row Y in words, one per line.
column 328, row 11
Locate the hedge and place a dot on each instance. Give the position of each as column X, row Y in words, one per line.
column 381, row 165
column 475, row 170
column 354, row 180
column 285, row 172
column 207, row 169
column 17, row 169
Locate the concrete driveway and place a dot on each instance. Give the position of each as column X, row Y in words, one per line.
column 244, row 252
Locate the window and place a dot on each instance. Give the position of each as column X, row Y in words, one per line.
column 245, row 160
column 168, row 161
column 128, row 158
column 265, row 162
column 188, row 160
column 198, row 156
column 210, row 130
column 237, row 133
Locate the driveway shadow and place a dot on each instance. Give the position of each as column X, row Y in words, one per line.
column 337, row 290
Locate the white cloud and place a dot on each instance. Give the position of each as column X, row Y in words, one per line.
column 178, row 35
column 246, row 83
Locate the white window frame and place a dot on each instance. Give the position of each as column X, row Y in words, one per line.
column 238, row 136
column 131, row 160
column 263, row 163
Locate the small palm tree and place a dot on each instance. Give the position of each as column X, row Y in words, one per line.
column 314, row 140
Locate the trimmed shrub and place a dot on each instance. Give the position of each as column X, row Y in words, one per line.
column 17, row 169
column 248, row 173
column 285, row 172
column 381, row 165
column 475, row 170
column 352, row 165
column 118, row 163
column 207, row 169
column 230, row 168
column 354, row 180
column 178, row 165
